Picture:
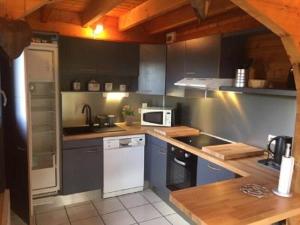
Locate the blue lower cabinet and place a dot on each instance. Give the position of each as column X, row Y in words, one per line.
column 82, row 165
column 156, row 165
column 208, row 172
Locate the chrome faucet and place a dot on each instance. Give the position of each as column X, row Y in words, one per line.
column 88, row 114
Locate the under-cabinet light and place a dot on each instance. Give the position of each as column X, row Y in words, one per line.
column 115, row 95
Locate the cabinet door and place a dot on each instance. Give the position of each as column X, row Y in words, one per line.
column 232, row 55
column 128, row 60
column 152, row 69
column 203, row 57
column 158, row 168
column 82, row 169
column 175, row 69
column 208, row 172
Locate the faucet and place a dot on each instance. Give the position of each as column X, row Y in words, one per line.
column 88, row 114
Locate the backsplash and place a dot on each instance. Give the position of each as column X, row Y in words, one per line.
column 239, row 117
column 72, row 103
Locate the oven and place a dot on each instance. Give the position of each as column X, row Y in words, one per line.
column 181, row 169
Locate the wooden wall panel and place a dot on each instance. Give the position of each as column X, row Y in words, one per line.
column 270, row 60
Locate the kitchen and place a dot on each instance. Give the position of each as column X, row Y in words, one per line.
column 119, row 127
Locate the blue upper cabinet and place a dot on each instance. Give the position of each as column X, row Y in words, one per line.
column 208, row 172
column 103, row 61
column 152, row 69
column 202, row 57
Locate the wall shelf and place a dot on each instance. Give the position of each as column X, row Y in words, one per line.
column 261, row 91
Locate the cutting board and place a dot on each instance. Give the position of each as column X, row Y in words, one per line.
column 179, row 131
column 233, row 151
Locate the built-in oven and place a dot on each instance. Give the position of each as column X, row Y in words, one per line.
column 181, row 169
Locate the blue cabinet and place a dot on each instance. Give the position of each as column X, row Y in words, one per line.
column 156, row 165
column 82, row 166
column 208, row 172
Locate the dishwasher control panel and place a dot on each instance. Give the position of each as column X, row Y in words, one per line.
column 123, row 142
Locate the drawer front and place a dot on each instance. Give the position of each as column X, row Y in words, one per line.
column 208, row 172
column 70, row 145
column 156, row 141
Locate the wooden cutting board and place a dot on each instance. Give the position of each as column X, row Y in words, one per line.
column 179, row 131
column 233, row 151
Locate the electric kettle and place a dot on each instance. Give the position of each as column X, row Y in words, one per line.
column 279, row 147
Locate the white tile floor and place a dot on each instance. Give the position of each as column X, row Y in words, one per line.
column 144, row 208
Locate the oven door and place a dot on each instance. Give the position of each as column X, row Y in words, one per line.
column 153, row 118
column 181, row 169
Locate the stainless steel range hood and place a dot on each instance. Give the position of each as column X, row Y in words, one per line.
column 204, row 83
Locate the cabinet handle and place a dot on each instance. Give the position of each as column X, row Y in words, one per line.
column 4, row 98
column 190, row 73
column 212, row 167
column 92, row 151
column 162, row 152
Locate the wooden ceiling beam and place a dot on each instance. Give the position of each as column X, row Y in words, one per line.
column 17, row 9
column 185, row 15
column 97, row 9
column 225, row 23
column 148, row 11
column 111, row 32
column 201, row 8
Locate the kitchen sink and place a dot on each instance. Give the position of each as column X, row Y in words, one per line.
column 90, row 129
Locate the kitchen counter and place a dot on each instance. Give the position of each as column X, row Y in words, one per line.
column 222, row 202
column 4, row 208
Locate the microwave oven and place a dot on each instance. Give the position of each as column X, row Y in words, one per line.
column 156, row 116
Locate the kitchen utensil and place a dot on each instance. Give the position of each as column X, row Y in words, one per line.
column 108, row 86
column 241, row 77
column 102, row 120
column 122, row 87
column 280, row 146
column 232, row 151
column 179, row 131
column 111, row 120
column 76, row 85
column 286, row 174
column 93, row 86
column 257, row 83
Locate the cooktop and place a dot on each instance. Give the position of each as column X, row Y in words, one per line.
column 202, row 140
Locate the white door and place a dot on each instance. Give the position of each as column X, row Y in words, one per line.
column 123, row 169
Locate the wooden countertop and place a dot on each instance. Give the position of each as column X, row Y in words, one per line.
column 223, row 203
column 4, row 208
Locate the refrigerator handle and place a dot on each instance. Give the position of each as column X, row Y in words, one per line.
column 4, row 97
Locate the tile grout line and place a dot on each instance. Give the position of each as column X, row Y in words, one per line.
column 98, row 213
column 67, row 215
column 127, row 210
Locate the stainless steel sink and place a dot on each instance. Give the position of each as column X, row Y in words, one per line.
column 89, row 129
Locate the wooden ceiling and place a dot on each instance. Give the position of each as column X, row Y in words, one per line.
column 146, row 21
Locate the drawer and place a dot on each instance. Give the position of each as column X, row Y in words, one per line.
column 67, row 145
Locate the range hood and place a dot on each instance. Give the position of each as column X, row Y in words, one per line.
column 204, row 83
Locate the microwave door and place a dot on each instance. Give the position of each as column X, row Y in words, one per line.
column 154, row 117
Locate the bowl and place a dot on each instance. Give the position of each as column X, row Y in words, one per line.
column 253, row 83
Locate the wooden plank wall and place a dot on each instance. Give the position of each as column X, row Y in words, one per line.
column 270, row 60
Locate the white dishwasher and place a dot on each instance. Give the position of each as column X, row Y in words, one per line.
column 123, row 165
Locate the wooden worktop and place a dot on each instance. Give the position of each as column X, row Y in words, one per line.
column 223, row 203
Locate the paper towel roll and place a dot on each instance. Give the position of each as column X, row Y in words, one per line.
column 286, row 175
